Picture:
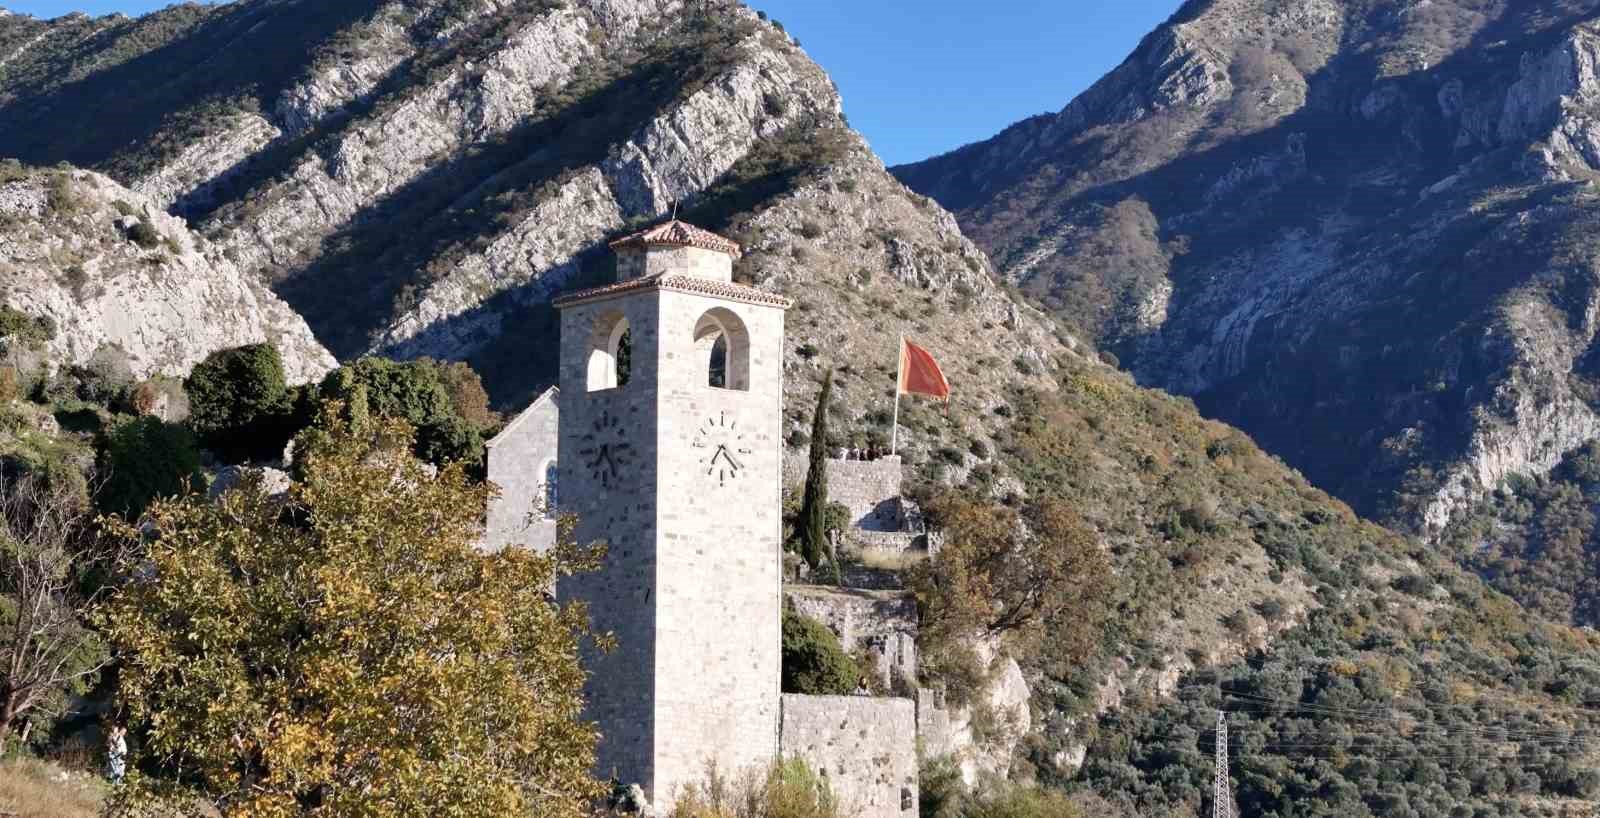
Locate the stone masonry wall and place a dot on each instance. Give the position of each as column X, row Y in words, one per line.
column 866, row 747
column 518, row 458
column 882, row 622
column 870, row 489
column 634, row 262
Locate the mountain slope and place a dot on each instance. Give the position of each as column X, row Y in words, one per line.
column 105, row 267
column 1360, row 230
column 433, row 171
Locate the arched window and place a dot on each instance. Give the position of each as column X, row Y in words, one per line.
column 550, row 496
column 610, row 352
column 722, row 344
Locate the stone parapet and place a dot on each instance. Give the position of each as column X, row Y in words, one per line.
column 865, row 747
column 871, row 490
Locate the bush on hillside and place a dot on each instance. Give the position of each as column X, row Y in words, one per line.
column 813, row 660
column 787, row 789
column 240, row 405
column 147, row 458
column 32, row 332
column 413, row 391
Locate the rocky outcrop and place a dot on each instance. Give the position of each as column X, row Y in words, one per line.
column 1407, row 319
column 981, row 737
column 109, row 268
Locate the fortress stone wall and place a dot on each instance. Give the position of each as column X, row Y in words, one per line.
column 884, row 623
column 870, row 489
column 867, row 749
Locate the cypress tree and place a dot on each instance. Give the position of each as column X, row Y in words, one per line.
column 814, row 506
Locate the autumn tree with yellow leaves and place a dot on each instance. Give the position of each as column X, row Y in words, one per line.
column 346, row 651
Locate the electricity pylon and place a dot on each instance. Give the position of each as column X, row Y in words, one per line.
column 1222, row 796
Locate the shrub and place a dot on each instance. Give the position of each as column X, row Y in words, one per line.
column 18, row 326
column 467, row 395
column 787, row 789
column 811, row 230
column 813, row 660
column 107, row 378
column 147, row 458
column 413, row 391
column 62, row 195
column 145, row 234
column 239, row 404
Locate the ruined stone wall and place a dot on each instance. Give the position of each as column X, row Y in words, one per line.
column 870, row 489
column 883, row 623
column 866, row 747
column 518, row 460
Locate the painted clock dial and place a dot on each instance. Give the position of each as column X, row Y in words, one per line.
column 606, row 452
column 722, row 454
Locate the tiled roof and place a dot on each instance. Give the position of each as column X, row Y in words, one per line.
column 679, row 234
column 681, row 284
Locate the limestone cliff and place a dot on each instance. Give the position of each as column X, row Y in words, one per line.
column 1361, row 231
column 427, row 174
column 108, row 267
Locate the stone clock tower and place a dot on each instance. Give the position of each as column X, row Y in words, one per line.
column 670, row 452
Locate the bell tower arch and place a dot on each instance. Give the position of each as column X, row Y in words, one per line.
column 671, row 453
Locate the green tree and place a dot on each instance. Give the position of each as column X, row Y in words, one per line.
column 146, row 458
column 239, row 403
column 813, row 660
column 813, row 527
column 415, row 392
column 349, row 651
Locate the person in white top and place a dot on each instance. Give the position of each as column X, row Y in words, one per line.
column 117, row 753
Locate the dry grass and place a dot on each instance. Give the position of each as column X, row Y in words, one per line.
column 30, row 788
column 883, row 559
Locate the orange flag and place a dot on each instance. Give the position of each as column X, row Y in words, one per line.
column 920, row 373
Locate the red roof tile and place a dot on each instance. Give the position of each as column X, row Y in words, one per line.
column 681, row 284
column 679, row 234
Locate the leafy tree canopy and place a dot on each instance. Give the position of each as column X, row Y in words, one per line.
column 418, row 392
column 348, row 652
column 239, row 403
column 146, row 458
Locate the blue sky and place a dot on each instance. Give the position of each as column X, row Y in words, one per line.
column 919, row 77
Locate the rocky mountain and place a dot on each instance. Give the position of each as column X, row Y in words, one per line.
column 1360, row 230
column 107, row 267
column 417, row 178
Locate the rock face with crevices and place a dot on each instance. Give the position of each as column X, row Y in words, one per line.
column 1361, row 231
column 420, row 177
column 108, row 268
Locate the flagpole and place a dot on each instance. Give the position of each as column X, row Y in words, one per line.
column 899, row 378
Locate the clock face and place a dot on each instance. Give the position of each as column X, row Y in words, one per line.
column 606, row 452
column 722, row 452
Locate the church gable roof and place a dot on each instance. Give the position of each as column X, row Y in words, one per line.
column 550, row 395
column 679, row 234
